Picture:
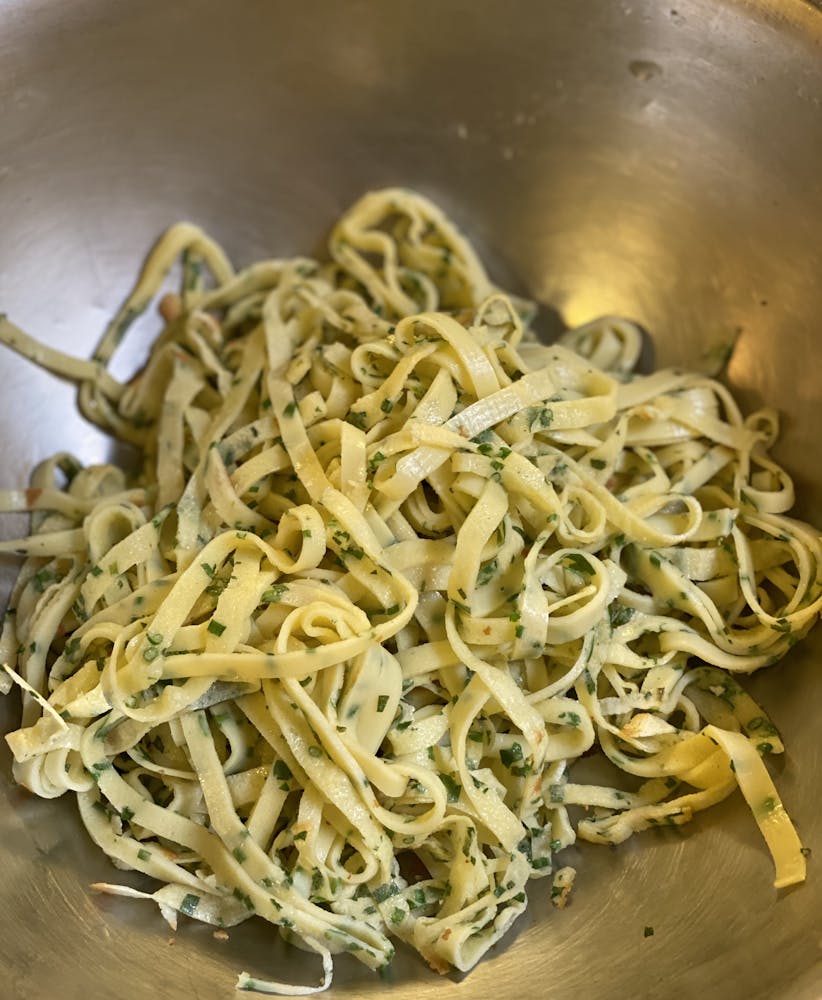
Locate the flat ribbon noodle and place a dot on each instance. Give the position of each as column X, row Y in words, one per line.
column 388, row 568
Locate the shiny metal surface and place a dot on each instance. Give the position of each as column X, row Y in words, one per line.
column 662, row 160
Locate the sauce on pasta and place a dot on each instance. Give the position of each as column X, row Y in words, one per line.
column 389, row 566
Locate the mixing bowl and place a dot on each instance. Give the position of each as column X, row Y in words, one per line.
column 661, row 160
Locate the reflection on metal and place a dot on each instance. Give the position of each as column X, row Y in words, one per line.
column 660, row 160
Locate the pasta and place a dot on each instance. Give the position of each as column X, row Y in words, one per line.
column 387, row 568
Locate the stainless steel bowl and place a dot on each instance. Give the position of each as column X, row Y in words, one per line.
column 662, row 160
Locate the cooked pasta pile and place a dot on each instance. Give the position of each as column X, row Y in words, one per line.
column 388, row 568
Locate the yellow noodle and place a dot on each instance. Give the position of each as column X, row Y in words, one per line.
column 388, row 568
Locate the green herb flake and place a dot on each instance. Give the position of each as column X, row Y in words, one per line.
column 274, row 594
column 540, row 417
column 244, row 898
column 768, row 805
column 487, row 573
column 579, row 564
column 452, row 786
column 384, row 891
column 510, row 755
column 619, row 614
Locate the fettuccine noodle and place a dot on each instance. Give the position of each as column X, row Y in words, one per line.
column 388, row 567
